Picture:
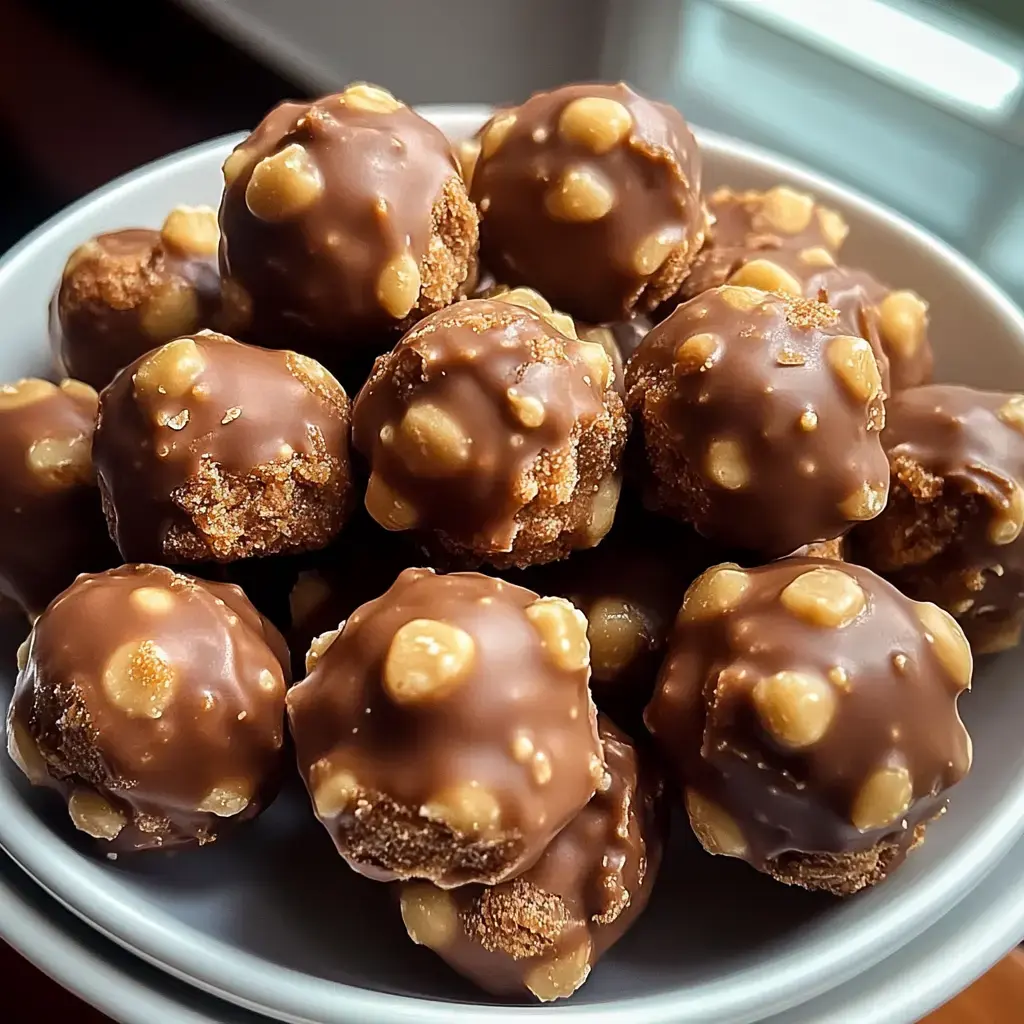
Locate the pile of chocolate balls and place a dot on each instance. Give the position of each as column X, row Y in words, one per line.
column 567, row 490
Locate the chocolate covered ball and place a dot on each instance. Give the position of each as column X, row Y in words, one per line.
column 749, row 225
column 154, row 704
column 590, row 194
column 951, row 532
column 343, row 220
column 541, row 933
column 808, row 710
column 760, row 420
column 51, row 518
column 446, row 732
column 211, row 450
column 493, row 435
column 129, row 291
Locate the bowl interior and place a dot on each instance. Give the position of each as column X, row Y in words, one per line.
column 272, row 919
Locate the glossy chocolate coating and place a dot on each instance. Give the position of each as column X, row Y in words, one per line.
column 541, row 933
column 493, row 435
column 748, row 224
column 343, row 221
column 760, row 420
column 590, row 194
column 51, row 519
column 211, row 450
column 951, row 532
column 447, row 731
column 808, row 709
column 126, row 292
column 154, row 703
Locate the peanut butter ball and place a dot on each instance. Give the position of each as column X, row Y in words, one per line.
column 951, row 532
column 808, row 710
column 590, row 194
column 344, row 221
column 211, row 450
column 446, row 731
column 129, row 291
column 541, row 933
column 51, row 518
column 494, row 435
column 154, row 704
column 760, row 420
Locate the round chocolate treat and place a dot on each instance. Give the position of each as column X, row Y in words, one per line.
column 809, row 711
column 541, row 933
column 894, row 322
column 126, row 292
column 951, row 532
column 746, row 225
column 343, row 220
column 591, row 195
column 760, row 420
column 211, row 450
column 446, row 732
column 154, row 703
column 493, row 435
column 51, row 519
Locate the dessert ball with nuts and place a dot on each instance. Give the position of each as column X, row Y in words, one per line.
column 895, row 322
column 446, row 732
column 126, row 292
column 951, row 532
column 809, row 711
column 746, row 226
column 493, row 435
column 760, row 420
column 541, row 933
column 211, row 450
column 591, row 195
column 154, row 703
column 343, row 220
column 51, row 519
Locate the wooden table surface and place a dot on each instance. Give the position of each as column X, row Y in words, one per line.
column 997, row 998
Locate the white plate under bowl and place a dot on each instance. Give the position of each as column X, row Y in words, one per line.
column 917, row 978
column 271, row 919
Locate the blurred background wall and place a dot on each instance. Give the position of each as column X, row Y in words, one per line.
column 919, row 104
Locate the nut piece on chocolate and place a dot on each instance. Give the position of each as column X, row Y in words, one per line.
column 128, row 291
column 493, row 435
column 446, row 732
column 951, row 532
column 343, row 221
column 744, row 226
column 154, row 704
column 211, row 450
column 808, row 710
column 590, row 194
column 51, row 519
column 541, row 933
column 760, row 420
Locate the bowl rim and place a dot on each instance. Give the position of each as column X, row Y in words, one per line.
column 755, row 990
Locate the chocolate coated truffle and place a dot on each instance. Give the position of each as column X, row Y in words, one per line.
column 493, row 435
column 343, row 221
column 541, row 933
column 211, row 450
column 447, row 732
column 51, row 519
column 809, row 711
column 591, row 195
column 951, row 532
column 760, row 420
column 126, row 292
column 154, row 703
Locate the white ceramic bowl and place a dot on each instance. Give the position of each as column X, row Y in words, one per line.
column 271, row 920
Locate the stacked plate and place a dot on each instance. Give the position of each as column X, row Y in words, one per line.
column 272, row 923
